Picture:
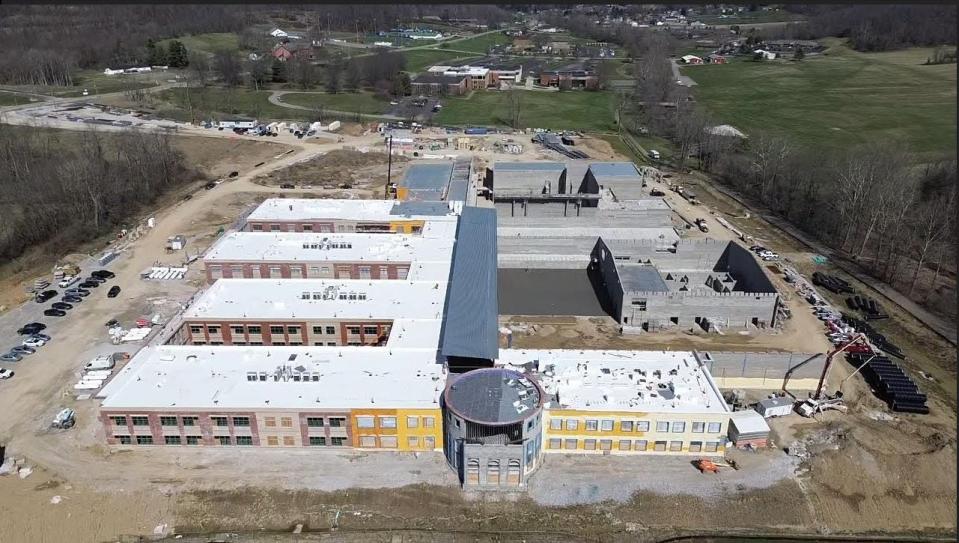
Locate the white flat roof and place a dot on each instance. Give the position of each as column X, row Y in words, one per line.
column 520, row 232
column 210, row 378
column 294, row 209
column 646, row 381
column 431, row 254
column 281, row 299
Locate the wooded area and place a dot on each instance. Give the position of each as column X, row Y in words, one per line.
column 70, row 188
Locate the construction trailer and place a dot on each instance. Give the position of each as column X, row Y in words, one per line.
column 778, row 406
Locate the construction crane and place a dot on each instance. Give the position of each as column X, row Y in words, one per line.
column 822, row 378
column 790, row 371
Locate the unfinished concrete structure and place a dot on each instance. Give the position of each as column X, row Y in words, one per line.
column 361, row 216
column 706, row 283
column 437, row 181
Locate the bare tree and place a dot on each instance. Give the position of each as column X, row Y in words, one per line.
column 227, row 64
column 932, row 223
column 515, row 102
column 200, row 67
column 769, row 159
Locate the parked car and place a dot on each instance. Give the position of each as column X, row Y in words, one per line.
column 44, row 337
column 113, row 292
column 112, row 322
column 210, row 186
column 82, row 292
column 55, row 313
column 11, row 357
column 45, row 295
column 68, row 280
column 21, row 349
column 657, row 192
column 72, row 299
column 96, row 279
column 103, row 274
column 5, row 373
column 234, row 174
column 62, row 305
column 31, row 328
column 34, row 342
column 287, row 186
column 89, row 284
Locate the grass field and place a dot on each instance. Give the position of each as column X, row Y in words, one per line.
column 219, row 101
column 750, row 17
column 572, row 110
column 353, row 102
column 839, row 100
column 480, row 44
column 11, row 99
column 418, row 60
column 208, row 42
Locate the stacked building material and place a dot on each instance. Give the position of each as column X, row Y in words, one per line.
column 890, row 383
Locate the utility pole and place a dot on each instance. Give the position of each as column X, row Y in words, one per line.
column 389, row 165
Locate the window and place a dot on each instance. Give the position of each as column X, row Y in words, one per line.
column 555, row 443
column 278, row 330
column 367, row 441
column 413, row 442
column 141, row 421
column 171, row 440
column 223, row 440
column 589, row 444
column 241, row 421
column 676, row 446
column 257, row 227
column 272, row 441
column 293, row 330
column 388, row 442
column 317, row 329
column 428, row 422
column 679, row 427
column 119, row 421
column 662, row 426
column 606, row 444
column 317, row 441
column 572, row 424
column 338, row 441
column 592, row 425
column 699, row 427
column 314, row 422
column 336, row 422
column 387, row 422
column 269, row 422
column 286, row 422
column 370, row 330
column 196, row 329
column 624, row 445
column 219, row 421
column 238, row 330
column 353, row 330
column 626, row 426
column 571, row 444
column 274, row 228
column 606, row 426
column 144, row 440
column 642, row 426
column 714, row 427
column 254, row 330
column 193, row 440
column 244, row 440
column 555, row 424
column 711, row 446
column 429, row 442
column 124, row 440
column 659, row 446
column 288, row 441
column 412, row 422
column 213, row 330
column 695, row 446
column 492, row 472
column 307, row 227
column 640, row 445
column 168, row 421
column 188, row 421
column 364, row 421
column 364, row 272
column 331, row 330
column 402, row 273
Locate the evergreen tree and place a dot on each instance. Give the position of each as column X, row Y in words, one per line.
column 799, row 54
column 156, row 55
column 177, row 55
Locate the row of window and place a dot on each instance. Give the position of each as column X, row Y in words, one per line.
column 304, row 227
column 177, row 440
column 607, row 425
column 306, row 295
column 632, row 445
column 143, row 420
column 278, row 330
column 390, row 442
column 369, row 421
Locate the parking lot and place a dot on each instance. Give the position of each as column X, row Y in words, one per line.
column 406, row 108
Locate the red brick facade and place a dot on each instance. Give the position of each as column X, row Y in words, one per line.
column 345, row 332
column 303, row 270
column 203, row 428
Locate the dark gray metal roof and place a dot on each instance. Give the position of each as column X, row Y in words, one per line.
column 432, row 176
column 494, row 396
column 614, row 169
column 641, row 278
column 470, row 328
column 527, row 166
column 436, row 209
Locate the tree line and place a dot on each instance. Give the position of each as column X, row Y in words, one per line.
column 70, row 188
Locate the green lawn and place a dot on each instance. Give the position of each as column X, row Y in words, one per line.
column 480, row 44
column 569, row 110
column 211, row 101
column 749, row 17
column 11, row 99
column 363, row 102
column 838, row 100
column 208, row 42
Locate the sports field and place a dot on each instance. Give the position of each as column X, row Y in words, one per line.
column 568, row 110
column 840, row 99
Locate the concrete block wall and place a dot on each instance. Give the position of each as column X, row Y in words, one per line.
column 733, row 310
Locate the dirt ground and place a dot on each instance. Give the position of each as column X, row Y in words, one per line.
column 366, row 172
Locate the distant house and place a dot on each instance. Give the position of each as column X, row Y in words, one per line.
column 562, row 47
column 277, row 33
column 477, row 77
column 434, row 84
column 691, row 59
column 766, row 55
column 287, row 51
column 716, row 59
column 522, row 43
column 574, row 76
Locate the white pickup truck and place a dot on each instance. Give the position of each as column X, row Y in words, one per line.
column 68, row 280
column 102, row 362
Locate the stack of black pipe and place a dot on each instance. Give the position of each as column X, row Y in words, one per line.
column 890, row 383
column 831, row 283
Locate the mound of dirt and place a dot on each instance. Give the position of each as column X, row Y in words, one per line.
column 337, row 168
